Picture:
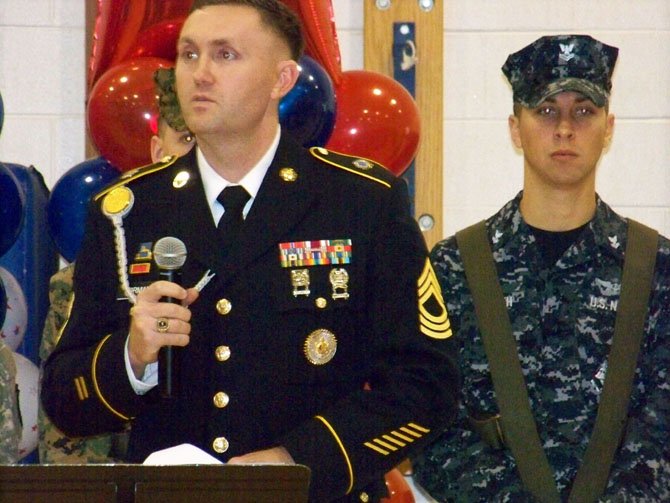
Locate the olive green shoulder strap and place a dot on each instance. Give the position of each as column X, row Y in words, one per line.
column 636, row 283
column 511, row 394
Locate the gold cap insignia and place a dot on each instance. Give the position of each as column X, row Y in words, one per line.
column 320, row 346
column 433, row 318
column 339, row 278
column 118, row 201
column 181, row 179
column 300, row 282
column 288, row 174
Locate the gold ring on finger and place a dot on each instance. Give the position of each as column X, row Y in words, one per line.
column 162, row 325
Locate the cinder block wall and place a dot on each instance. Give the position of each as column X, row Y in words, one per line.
column 42, row 82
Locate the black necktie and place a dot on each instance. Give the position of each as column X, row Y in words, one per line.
column 233, row 198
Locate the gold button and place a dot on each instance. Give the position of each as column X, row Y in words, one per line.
column 222, row 353
column 288, row 174
column 223, row 307
column 221, row 400
column 220, row 445
column 364, row 497
column 321, row 302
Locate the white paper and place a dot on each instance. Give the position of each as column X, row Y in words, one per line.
column 184, row 454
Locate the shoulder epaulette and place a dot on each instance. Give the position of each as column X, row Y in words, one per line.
column 136, row 173
column 353, row 164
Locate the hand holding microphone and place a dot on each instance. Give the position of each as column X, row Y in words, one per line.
column 159, row 318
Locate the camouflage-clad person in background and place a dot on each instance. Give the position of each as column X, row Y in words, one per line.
column 558, row 250
column 10, row 425
column 171, row 138
column 54, row 445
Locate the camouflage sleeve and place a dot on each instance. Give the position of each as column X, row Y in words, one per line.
column 54, row 445
column 10, row 426
column 60, row 298
column 641, row 469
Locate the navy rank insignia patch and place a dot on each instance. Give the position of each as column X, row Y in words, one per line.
column 357, row 165
column 433, row 318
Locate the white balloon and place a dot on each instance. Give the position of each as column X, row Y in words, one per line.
column 16, row 317
column 27, row 380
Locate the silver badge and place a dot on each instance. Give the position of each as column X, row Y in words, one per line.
column 300, row 282
column 339, row 278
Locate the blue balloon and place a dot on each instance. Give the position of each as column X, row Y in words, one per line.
column 68, row 202
column 12, row 201
column 3, row 303
column 308, row 110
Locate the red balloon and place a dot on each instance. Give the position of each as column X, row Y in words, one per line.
column 377, row 118
column 109, row 24
column 159, row 40
column 398, row 488
column 320, row 34
column 119, row 25
column 121, row 109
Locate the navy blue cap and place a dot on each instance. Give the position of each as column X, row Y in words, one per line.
column 553, row 64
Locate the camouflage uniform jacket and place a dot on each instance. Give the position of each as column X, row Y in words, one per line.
column 10, row 425
column 54, row 445
column 563, row 321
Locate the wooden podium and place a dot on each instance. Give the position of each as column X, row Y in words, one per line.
column 125, row 483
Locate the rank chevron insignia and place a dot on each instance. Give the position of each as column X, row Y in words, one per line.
column 433, row 317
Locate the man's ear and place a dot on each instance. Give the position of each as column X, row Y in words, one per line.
column 513, row 123
column 609, row 132
column 156, row 148
column 287, row 76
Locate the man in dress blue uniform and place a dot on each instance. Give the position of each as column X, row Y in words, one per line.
column 559, row 251
column 321, row 338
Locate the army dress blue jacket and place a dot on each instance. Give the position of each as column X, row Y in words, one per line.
column 347, row 363
column 563, row 320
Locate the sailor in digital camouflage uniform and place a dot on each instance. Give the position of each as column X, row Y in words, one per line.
column 172, row 136
column 10, row 425
column 321, row 339
column 561, row 279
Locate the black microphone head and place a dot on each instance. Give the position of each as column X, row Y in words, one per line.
column 169, row 253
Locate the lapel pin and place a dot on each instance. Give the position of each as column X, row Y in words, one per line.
column 288, row 174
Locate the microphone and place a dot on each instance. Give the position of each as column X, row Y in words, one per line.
column 169, row 255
